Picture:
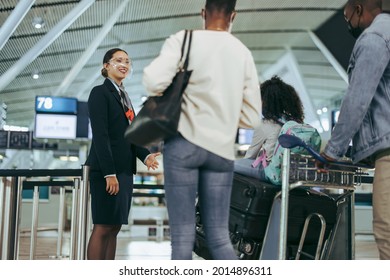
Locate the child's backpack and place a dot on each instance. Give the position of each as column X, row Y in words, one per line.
column 304, row 131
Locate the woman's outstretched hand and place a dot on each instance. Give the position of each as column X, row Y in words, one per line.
column 151, row 162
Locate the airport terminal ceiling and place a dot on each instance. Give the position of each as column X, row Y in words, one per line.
column 55, row 48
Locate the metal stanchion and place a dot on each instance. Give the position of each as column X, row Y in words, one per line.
column 351, row 209
column 34, row 223
column 6, row 223
column 18, row 202
column 11, row 219
column 89, row 222
column 61, row 222
column 2, row 209
column 159, row 229
column 284, row 205
column 74, row 220
column 83, row 210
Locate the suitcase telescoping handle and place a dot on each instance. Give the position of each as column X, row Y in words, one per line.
column 291, row 141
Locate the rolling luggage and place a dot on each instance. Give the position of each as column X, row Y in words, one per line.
column 302, row 203
column 342, row 236
column 200, row 246
column 245, row 249
column 251, row 219
column 251, row 204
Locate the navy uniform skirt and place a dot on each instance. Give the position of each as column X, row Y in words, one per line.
column 110, row 209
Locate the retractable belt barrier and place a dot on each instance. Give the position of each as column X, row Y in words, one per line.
column 11, row 186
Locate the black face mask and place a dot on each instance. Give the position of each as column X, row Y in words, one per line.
column 354, row 31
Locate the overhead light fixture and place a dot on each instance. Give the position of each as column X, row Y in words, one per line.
column 38, row 22
column 35, row 75
column 15, row 128
column 69, row 158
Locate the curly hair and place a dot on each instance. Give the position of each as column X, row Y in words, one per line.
column 280, row 101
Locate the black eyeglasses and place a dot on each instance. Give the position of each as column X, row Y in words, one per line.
column 349, row 19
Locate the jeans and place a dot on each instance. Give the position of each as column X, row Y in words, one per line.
column 191, row 172
column 244, row 166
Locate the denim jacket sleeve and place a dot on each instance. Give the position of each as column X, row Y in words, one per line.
column 367, row 64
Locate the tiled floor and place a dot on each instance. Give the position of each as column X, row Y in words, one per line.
column 365, row 248
column 142, row 249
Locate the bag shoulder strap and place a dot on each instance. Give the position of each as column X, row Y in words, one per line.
column 188, row 51
column 185, row 64
column 183, row 44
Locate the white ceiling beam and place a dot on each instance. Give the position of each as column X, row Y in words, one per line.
column 288, row 70
column 14, row 20
column 329, row 56
column 85, row 88
column 45, row 42
column 90, row 50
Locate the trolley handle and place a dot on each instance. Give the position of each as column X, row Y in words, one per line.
column 291, row 141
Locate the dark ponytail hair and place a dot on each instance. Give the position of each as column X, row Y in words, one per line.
column 107, row 57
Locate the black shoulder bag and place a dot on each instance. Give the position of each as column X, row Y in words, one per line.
column 159, row 116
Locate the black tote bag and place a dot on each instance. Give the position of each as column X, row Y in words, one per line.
column 159, row 116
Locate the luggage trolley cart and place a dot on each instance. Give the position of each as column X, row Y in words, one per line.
column 300, row 171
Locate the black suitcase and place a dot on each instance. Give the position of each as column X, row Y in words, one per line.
column 302, row 202
column 251, row 204
column 200, row 246
column 245, row 249
column 341, row 238
column 250, row 208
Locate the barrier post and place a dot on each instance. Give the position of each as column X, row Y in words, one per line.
column 351, row 209
column 284, row 205
column 61, row 222
column 9, row 216
column 17, row 207
column 74, row 220
column 34, row 223
column 83, row 211
column 2, row 216
column 11, row 220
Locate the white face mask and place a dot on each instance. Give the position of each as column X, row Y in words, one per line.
column 231, row 24
column 120, row 63
column 230, row 27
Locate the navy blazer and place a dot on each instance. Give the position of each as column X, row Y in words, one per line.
column 110, row 153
